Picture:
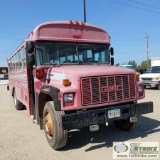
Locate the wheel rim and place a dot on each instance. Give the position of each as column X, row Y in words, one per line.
column 48, row 125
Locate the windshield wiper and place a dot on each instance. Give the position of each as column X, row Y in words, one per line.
column 54, row 64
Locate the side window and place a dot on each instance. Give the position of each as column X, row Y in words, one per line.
column 19, row 55
column 23, row 64
column 23, row 59
column 39, row 54
column 17, row 66
column 13, row 66
column 17, row 62
column 20, row 65
column 14, row 61
column 23, row 53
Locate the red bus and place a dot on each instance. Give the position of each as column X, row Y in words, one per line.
column 63, row 74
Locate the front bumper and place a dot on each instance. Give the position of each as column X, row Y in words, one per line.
column 100, row 116
column 151, row 83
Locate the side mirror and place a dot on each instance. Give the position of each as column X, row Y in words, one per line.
column 112, row 61
column 29, row 46
column 30, row 59
column 111, row 51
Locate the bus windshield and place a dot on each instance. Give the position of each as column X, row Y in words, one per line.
column 71, row 53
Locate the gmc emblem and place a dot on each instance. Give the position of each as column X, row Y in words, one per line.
column 77, row 36
column 111, row 88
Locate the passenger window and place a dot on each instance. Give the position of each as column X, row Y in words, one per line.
column 39, row 54
column 23, row 64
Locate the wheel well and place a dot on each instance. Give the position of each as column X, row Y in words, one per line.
column 43, row 98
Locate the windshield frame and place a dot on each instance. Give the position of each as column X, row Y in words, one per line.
column 83, row 53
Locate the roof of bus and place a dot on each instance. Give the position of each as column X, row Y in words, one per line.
column 67, row 31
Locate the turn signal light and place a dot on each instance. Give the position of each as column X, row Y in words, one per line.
column 70, row 21
column 66, row 82
column 39, row 73
column 137, row 76
column 76, row 22
column 82, row 23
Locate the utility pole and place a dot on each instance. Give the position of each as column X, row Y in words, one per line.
column 147, row 51
column 84, row 6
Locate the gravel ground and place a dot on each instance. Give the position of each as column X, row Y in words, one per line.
column 21, row 139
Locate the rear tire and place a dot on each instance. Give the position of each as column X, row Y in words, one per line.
column 52, row 121
column 125, row 124
column 18, row 105
column 158, row 87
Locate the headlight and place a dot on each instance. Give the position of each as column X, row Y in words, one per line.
column 68, row 97
column 157, row 78
column 140, row 88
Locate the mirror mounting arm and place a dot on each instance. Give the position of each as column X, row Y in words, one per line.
column 30, row 59
column 30, row 45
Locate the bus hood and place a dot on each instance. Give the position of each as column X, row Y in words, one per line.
column 74, row 72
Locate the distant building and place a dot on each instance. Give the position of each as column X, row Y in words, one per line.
column 126, row 66
column 3, row 72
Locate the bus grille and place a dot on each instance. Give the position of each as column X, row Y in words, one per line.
column 107, row 89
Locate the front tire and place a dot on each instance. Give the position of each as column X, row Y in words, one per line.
column 52, row 121
column 125, row 124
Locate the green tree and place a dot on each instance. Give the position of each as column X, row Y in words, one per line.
column 117, row 64
column 133, row 63
column 144, row 64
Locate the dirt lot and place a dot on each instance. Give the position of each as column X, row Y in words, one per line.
column 21, row 139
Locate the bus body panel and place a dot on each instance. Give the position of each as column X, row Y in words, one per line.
column 19, row 81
